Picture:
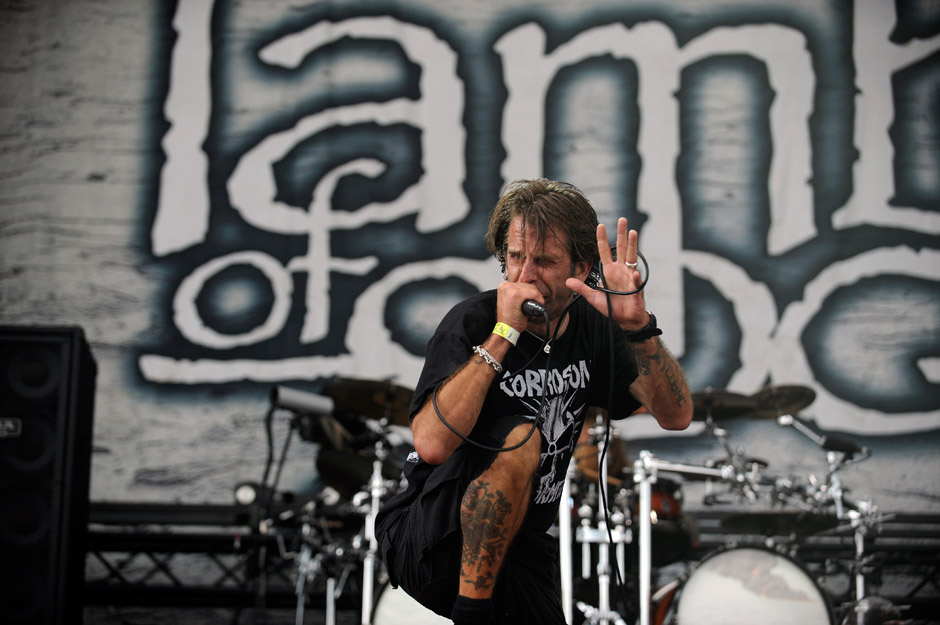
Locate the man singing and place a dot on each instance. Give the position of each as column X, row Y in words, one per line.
column 502, row 399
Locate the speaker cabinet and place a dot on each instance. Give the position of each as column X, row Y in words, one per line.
column 47, row 389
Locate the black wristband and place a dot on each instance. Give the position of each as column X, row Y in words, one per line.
column 646, row 332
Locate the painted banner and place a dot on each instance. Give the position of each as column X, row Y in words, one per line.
column 234, row 195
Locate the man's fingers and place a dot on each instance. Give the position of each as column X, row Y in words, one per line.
column 603, row 247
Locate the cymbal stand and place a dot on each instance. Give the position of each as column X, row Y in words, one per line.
column 310, row 562
column 861, row 515
column 307, row 568
column 742, row 478
column 645, row 470
column 377, row 489
column 564, row 545
column 602, row 535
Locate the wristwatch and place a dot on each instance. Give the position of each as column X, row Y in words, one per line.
column 646, row 332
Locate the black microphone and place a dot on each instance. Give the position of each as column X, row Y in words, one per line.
column 532, row 308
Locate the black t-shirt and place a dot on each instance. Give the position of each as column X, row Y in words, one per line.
column 578, row 376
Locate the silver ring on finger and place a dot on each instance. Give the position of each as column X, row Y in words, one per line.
column 631, row 265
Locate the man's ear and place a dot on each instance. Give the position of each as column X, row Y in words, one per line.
column 581, row 270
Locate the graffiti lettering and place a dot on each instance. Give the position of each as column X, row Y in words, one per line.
column 685, row 232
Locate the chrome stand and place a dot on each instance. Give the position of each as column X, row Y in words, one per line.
column 645, row 469
column 564, row 546
column 377, row 489
column 603, row 535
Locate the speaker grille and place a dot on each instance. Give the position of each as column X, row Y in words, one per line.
column 47, row 378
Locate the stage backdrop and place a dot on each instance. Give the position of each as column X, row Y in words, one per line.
column 229, row 195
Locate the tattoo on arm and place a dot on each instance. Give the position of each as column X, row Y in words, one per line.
column 669, row 367
column 486, row 536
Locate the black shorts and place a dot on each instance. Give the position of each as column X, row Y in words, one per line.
column 421, row 542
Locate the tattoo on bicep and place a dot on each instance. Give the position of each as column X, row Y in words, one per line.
column 483, row 517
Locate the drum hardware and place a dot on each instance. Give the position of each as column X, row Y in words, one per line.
column 756, row 566
column 744, row 473
column 377, row 399
column 378, row 488
column 609, row 527
column 772, row 524
column 860, row 516
column 318, row 557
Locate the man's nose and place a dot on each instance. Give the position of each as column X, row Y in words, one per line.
column 529, row 271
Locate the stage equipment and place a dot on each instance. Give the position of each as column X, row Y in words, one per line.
column 47, row 388
column 714, row 403
column 375, row 399
column 747, row 585
column 334, row 562
column 775, row 401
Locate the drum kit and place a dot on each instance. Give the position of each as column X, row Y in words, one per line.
column 619, row 522
column 635, row 513
column 361, row 430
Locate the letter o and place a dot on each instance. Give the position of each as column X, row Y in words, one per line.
column 186, row 314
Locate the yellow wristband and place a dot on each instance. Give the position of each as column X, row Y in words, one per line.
column 507, row 332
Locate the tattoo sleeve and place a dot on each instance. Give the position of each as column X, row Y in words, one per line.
column 666, row 364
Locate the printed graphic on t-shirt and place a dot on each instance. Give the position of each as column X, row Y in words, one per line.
column 563, row 405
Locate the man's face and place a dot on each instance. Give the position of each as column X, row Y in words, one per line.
column 546, row 264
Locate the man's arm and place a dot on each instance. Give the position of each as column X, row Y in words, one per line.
column 660, row 385
column 459, row 400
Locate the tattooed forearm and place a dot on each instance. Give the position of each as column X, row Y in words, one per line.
column 486, row 536
column 667, row 365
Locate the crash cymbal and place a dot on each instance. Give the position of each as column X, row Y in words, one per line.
column 778, row 400
column 779, row 523
column 374, row 399
column 720, row 404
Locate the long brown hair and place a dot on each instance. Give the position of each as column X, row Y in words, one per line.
column 552, row 208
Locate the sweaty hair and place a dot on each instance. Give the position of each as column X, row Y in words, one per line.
column 549, row 207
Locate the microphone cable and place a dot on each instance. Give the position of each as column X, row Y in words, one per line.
column 542, row 401
column 602, row 287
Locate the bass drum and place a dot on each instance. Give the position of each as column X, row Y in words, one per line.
column 395, row 606
column 743, row 586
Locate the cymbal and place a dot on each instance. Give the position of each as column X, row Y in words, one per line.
column 775, row 401
column 374, row 399
column 779, row 523
column 719, row 403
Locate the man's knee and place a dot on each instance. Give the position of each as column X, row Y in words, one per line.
column 525, row 444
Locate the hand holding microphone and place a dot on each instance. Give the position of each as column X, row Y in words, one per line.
column 531, row 308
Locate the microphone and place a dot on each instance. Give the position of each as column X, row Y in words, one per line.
column 532, row 308
column 302, row 401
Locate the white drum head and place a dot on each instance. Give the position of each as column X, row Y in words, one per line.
column 745, row 586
